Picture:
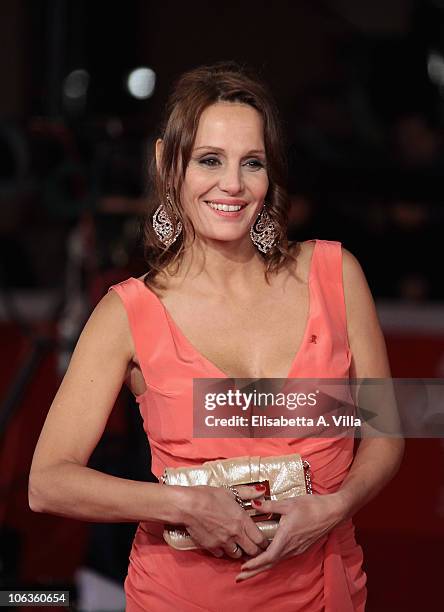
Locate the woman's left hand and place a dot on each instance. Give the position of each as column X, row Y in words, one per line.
column 303, row 520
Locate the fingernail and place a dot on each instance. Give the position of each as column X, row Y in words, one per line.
column 256, row 502
column 260, row 487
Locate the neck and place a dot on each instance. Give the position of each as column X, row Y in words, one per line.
column 223, row 264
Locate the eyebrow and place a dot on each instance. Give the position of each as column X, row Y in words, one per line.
column 252, row 152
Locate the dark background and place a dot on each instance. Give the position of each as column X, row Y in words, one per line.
column 360, row 86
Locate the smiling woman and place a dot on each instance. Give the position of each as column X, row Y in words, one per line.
column 226, row 297
column 222, row 169
column 199, row 153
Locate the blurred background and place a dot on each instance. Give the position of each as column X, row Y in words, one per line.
column 360, row 85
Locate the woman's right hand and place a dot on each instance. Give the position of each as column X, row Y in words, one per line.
column 218, row 523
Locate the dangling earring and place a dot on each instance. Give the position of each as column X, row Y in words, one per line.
column 263, row 231
column 163, row 226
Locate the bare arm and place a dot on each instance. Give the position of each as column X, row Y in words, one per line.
column 377, row 459
column 60, row 483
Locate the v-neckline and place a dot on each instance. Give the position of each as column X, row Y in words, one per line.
column 173, row 325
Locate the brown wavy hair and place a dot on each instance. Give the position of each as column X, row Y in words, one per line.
column 192, row 94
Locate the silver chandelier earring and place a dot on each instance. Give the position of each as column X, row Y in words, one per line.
column 163, row 226
column 263, row 232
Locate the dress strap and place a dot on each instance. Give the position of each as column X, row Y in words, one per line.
column 328, row 287
column 144, row 318
column 128, row 293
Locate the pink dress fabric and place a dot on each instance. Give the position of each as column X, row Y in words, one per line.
column 329, row 575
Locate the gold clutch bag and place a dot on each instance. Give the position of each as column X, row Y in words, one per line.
column 284, row 476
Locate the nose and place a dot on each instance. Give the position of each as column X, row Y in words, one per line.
column 231, row 179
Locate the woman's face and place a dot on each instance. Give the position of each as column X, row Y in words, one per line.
column 226, row 179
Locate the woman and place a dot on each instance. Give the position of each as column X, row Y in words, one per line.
column 224, row 296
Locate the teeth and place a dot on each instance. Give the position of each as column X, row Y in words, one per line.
column 224, row 207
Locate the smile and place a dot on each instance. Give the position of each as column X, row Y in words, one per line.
column 224, row 207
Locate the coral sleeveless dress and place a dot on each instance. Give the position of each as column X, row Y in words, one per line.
column 328, row 576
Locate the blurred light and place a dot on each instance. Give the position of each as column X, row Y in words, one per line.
column 141, row 82
column 76, row 84
column 435, row 67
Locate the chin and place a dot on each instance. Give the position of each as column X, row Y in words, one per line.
column 224, row 236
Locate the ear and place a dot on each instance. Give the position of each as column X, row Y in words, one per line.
column 159, row 148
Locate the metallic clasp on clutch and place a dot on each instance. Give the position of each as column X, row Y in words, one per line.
column 307, row 475
column 247, row 505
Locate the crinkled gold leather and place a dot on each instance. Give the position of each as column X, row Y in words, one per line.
column 286, row 476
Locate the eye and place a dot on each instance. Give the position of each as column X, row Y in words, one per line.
column 209, row 161
column 255, row 164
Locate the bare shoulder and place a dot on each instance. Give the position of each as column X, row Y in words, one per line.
column 356, row 290
column 302, row 253
column 301, row 249
column 350, row 265
column 108, row 326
